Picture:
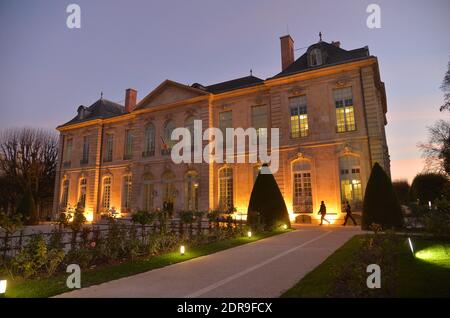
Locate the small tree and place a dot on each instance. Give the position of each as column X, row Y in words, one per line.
column 381, row 205
column 143, row 217
column 266, row 201
column 429, row 187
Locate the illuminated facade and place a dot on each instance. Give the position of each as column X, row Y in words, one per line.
column 329, row 106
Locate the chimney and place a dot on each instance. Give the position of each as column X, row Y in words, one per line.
column 287, row 51
column 336, row 44
column 130, row 99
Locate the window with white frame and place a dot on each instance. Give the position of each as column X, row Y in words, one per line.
column 106, row 198
column 126, row 192
column 350, row 177
column 191, row 185
column 315, row 57
column 302, row 188
column 345, row 114
column 226, row 189
column 260, row 121
column 148, row 189
column 65, row 194
column 128, row 146
column 149, row 141
column 109, row 144
column 82, row 192
column 299, row 116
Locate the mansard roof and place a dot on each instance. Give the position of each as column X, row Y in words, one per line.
column 101, row 109
column 332, row 54
column 237, row 83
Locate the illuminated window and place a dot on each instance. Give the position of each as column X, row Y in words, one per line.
column 168, row 187
column 315, row 57
column 191, row 184
column 82, row 192
column 302, row 190
column 167, row 140
column 109, row 142
column 345, row 115
column 106, row 199
column 126, row 192
column 299, row 116
column 148, row 185
column 350, row 176
column 259, row 121
column 226, row 189
column 65, row 194
column 128, row 146
column 149, row 141
column 225, row 121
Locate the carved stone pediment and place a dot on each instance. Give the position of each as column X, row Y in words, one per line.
column 296, row 90
column 343, row 81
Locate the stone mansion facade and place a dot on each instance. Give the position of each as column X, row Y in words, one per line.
column 330, row 108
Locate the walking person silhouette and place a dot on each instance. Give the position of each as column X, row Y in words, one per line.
column 348, row 211
column 323, row 212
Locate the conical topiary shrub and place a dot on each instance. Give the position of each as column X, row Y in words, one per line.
column 381, row 205
column 266, row 204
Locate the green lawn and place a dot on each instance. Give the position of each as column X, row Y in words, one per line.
column 56, row 285
column 427, row 274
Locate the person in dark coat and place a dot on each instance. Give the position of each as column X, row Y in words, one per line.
column 348, row 211
column 323, row 212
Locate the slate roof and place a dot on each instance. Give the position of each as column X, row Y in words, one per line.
column 101, row 109
column 237, row 83
column 331, row 54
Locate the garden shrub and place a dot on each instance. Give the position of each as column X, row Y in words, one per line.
column 380, row 202
column 429, row 187
column 266, row 204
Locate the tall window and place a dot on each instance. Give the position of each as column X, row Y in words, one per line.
column 225, row 121
column 191, row 184
column 226, row 189
column 65, row 194
column 301, row 175
column 126, row 193
column 82, row 193
column 106, row 199
column 259, row 120
column 149, row 141
column 167, row 139
column 350, row 176
column 299, row 116
column 168, row 187
column 148, row 195
column 128, row 146
column 345, row 115
column 315, row 57
column 109, row 147
column 68, row 154
column 85, row 156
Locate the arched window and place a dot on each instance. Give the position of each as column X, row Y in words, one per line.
column 148, row 192
column 106, row 193
column 301, row 186
column 126, row 193
column 350, row 176
column 167, row 141
column 191, row 184
column 65, row 194
column 315, row 57
column 226, row 189
column 168, row 188
column 82, row 192
column 149, row 141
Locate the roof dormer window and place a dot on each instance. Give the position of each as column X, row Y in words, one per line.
column 315, row 57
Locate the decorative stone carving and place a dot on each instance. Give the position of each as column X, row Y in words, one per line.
column 296, row 90
column 343, row 81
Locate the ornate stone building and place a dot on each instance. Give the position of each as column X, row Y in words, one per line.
column 329, row 105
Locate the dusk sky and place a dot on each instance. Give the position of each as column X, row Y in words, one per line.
column 47, row 70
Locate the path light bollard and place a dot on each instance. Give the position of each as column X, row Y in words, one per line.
column 249, row 234
column 182, row 250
